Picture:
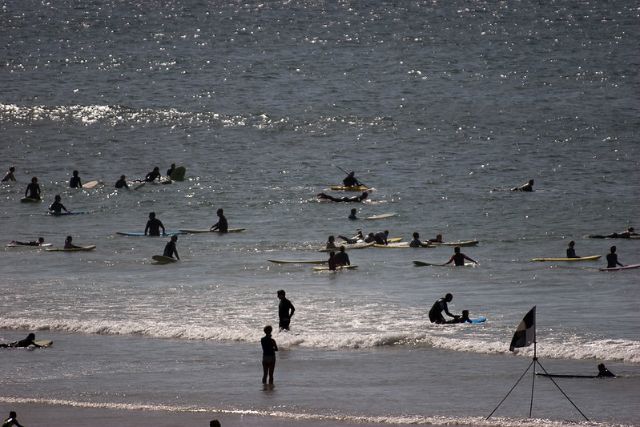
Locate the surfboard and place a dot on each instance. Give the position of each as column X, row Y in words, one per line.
column 78, row 249
column 626, row 267
column 359, row 188
column 477, row 320
column 89, row 185
column 458, row 243
column 16, row 245
column 30, row 200
column 582, row 258
column 341, row 267
column 67, row 213
column 426, row 264
column 44, row 343
column 178, row 173
column 348, row 247
column 286, row 261
column 381, row 216
column 206, row 230
column 161, row 259
column 542, row 374
column 141, row 233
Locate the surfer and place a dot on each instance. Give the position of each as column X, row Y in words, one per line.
column 57, row 207
column 370, row 238
column 33, row 189
column 12, row 420
column 39, row 242
column 438, row 239
column 462, row 319
column 75, row 182
column 612, row 258
column 28, row 341
column 360, row 198
column 269, row 348
column 332, row 261
column 171, row 169
column 623, row 235
column 285, row 310
column 417, row 243
column 214, row 423
column 170, row 248
column 571, row 252
column 69, row 245
column 9, row 175
column 381, row 237
column 342, row 258
column 153, row 175
column 458, row 258
column 435, row 314
column 350, row 180
column 331, row 243
column 603, row 372
column 154, row 225
column 122, row 182
column 525, row 187
column 221, row 226
column 353, row 213
column 359, row 237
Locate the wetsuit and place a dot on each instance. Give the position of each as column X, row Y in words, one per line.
column 152, row 176
column 380, row 238
column 153, row 226
column 170, row 249
column 121, row 183
column 222, row 226
column 458, row 259
column 415, row 243
column 359, row 198
column 571, row 253
column 350, row 181
column 10, row 422
column 285, row 311
column 435, row 314
column 612, row 261
column 170, row 171
column 332, row 262
column 33, row 191
column 75, row 182
column 56, row 208
column 341, row 258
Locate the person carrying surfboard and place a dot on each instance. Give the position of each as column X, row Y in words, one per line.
column 12, row 420
column 9, row 175
column 269, row 348
column 285, row 310
column 154, row 225
column 170, row 248
column 571, row 251
column 222, row 225
column 458, row 258
column 435, row 314
column 57, row 206
column 33, row 189
column 612, row 258
column 75, row 182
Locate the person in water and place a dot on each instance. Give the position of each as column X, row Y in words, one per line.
column 381, row 237
column 461, row 319
column 332, row 261
column 417, row 243
column 342, row 258
column 352, row 215
column 10, row 175
column 269, row 348
column 603, row 372
column 571, row 251
column 285, row 310
column 214, row 423
column 75, row 182
column 154, row 225
column 33, row 189
column 360, row 198
column 39, row 242
column 438, row 239
column 57, row 207
column 624, row 235
column 12, row 420
column 30, row 340
column 350, row 180
column 68, row 244
column 612, row 258
column 371, row 237
column 526, row 187
column 222, row 225
column 171, row 169
column 359, row 237
column 153, row 175
column 170, row 248
column 122, row 182
column 458, row 258
column 331, row 243
column 440, row 306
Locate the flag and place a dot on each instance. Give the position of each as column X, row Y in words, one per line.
column 525, row 334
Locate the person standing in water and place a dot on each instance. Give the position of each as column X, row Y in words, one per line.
column 57, row 206
column 269, row 348
column 9, row 176
column 458, row 258
column 170, row 248
column 222, row 225
column 75, row 182
column 435, row 314
column 154, row 225
column 285, row 311
column 353, row 213
column 571, row 251
column 12, row 420
column 33, row 189
column 612, row 258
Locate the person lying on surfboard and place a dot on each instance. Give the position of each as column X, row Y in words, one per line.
column 154, row 225
column 381, row 237
column 359, row 237
column 57, row 207
column 9, row 175
column 75, row 181
column 122, row 182
column 458, row 258
column 350, row 180
column 526, row 187
column 360, row 198
column 28, row 341
column 612, row 258
column 623, row 235
column 69, row 245
column 438, row 239
column 603, row 372
column 39, row 242
column 370, row 238
column 435, row 314
column 571, row 252
column 33, row 189
column 170, row 248
column 153, row 175
column 461, row 319
column 222, row 226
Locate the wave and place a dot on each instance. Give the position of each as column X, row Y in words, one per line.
column 352, row 419
column 465, row 340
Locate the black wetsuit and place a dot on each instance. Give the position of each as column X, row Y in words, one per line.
column 75, row 182
column 341, row 258
column 415, row 243
column 285, row 311
column 56, row 208
column 153, row 226
column 380, row 238
column 152, row 176
column 435, row 314
column 458, row 259
column 222, row 226
column 612, row 260
column 121, row 183
column 350, row 181
column 33, row 191
column 571, row 253
column 170, row 249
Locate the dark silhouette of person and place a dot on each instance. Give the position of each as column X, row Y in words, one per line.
column 12, row 420
column 355, row 239
column 571, row 251
column 285, row 310
column 624, row 234
column 353, row 213
column 153, row 175
column 341, row 258
column 154, row 225
column 57, row 206
column 603, row 372
column 458, row 258
column 10, row 176
column 33, row 189
column 26, row 342
column 440, row 306
column 171, row 169
column 170, row 248
column 612, row 258
column 460, row 319
column 360, row 198
column 350, row 180
column 68, row 244
column 526, row 187
column 222, row 225
column 269, row 348
column 39, row 242
column 381, row 237
column 332, row 261
column 331, row 243
column 214, row 423
column 75, row 181
column 122, row 182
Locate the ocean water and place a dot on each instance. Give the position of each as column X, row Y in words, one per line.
column 441, row 107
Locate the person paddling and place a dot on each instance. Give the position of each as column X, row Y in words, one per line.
column 350, row 180
column 153, row 175
column 361, row 198
column 10, row 175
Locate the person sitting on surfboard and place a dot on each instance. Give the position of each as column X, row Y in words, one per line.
column 381, row 237
column 69, row 245
column 360, row 198
column 458, row 258
column 170, row 248
column 171, row 169
column 153, row 175
column 353, row 213
column 331, row 243
column 33, row 189
column 350, row 180
column 75, row 182
column 154, row 225
column 39, row 242
column 12, row 420
column 526, row 187
column 122, row 182
column 9, row 176
column 57, row 207
column 571, row 252
column 28, row 341
column 603, row 372
column 612, row 258
column 285, row 310
column 342, row 258
column 435, row 314
column 221, row 226
column 438, row 239
column 416, row 242
column 461, row 319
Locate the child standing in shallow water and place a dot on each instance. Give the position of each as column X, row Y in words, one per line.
column 269, row 348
